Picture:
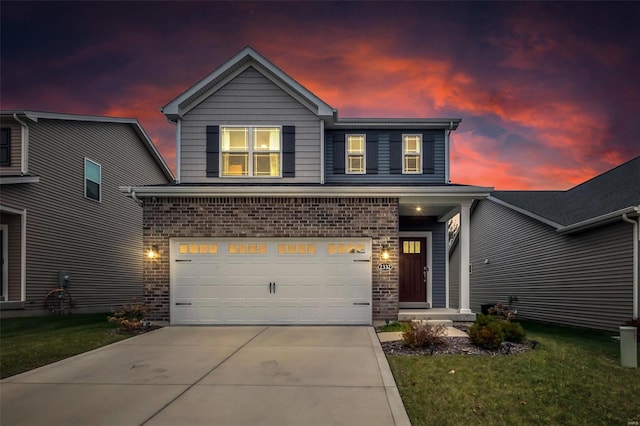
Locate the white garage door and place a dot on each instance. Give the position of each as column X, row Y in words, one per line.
column 271, row 281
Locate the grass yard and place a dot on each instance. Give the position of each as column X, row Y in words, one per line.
column 572, row 378
column 27, row 343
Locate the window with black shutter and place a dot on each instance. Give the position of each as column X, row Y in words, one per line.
column 5, row 147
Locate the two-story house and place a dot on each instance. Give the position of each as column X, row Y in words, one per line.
column 285, row 213
column 62, row 217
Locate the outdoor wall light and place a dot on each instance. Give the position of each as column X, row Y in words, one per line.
column 385, row 252
column 152, row 253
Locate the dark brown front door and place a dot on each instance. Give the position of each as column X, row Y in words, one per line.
column 413, row 267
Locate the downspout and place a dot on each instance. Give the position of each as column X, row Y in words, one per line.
column 322, row 164
column 178, row 148
column 24, row 169
column 132, row 193
column 636, row 237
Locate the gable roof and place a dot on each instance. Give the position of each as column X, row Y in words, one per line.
column 246, row 58
column 599, row 200
column 140, row 132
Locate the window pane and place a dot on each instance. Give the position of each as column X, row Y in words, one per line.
column 92, row 190
column 412, row 144
column 235, row 139
column 266, row 164
column 355, row 144
column 411, row 163
column 356, row 163
column 266, row 139
column 92, row 171
column 235, row 164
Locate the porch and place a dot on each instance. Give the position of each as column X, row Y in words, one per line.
column 453, row 315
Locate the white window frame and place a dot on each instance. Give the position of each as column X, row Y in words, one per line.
column 99, row 200
column 363, row 155
column 250, row 152
column 405, row 154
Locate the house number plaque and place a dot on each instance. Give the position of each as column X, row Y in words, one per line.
column 385, row 266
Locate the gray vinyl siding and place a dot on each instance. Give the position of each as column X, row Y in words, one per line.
column 454, row 279
column 583, row 279
column 384, row 161
column 250, row 99
column 98, row 243
column 438, row 249
column 15, row 167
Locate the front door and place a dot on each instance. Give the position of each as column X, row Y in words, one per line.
column 413, row 270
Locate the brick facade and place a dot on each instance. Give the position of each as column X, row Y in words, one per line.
column 265, row 217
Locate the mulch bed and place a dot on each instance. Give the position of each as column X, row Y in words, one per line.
column 456, row 345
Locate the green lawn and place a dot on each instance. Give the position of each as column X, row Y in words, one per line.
column 27, row 343
column 572, row 378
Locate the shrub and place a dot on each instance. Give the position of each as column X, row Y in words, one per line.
column 513, row 332
column 501, row 312
column 486, row 332
column 130, row 316
column 422, row 335
column 397, row 326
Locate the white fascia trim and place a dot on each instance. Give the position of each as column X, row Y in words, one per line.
column 526, row 212
column 322, row 154
column 313, row 191
column 596, row 221
column 178, row 148
column 173, row 107
column 8, row 180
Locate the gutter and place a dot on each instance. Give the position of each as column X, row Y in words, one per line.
column 447, row 142
column 24, row 161
column 132, row 194
column 596, row 221
column 636, row 237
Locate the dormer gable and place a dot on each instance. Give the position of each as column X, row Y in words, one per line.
column 245, row 59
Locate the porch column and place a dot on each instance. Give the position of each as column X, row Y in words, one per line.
column 465, row 213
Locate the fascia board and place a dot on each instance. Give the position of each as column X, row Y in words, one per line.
column 526, row 212
column 395, row 123
column 173, row 107
column 444, row 194
column 9, row 180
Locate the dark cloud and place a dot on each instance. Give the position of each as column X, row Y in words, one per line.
column 549, row 92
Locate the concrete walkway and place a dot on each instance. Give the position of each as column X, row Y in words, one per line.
column 214, row 376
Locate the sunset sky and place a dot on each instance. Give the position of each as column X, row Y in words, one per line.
column 549, row 93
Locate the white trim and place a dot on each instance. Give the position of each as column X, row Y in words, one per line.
column 9, row 180
column 23, row 248
column 322, row 154
column 446, row 267
column 178, row 149
column 5, row 263
column 525, row 212
column 99, row 200
column 420, row 151
column 428, row 235
column 250, row 151
column 465, row 264
column 596, row 221
column 364, row 154
column 447, row 194
column 447, row 160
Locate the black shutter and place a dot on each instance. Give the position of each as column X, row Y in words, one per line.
column 372, row 155
column 213, row 151
column 428, row 154
column 5, row 147
column 395, row 152
column 338, row 153
column 288, row 151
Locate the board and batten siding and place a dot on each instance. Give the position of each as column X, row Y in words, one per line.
column 15, row 151
column 582, row 279
column 438, row 251
column 250, row 99
column 384, row 174
column 98, row 243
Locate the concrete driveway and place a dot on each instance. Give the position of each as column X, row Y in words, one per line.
column 261, row 375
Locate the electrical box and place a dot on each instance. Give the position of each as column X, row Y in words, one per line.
column 63, row 279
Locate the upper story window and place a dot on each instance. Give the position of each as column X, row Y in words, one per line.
column 92, row 180
column 355, row 152
column 5, row 147
column 251, row 151
column 411, row 154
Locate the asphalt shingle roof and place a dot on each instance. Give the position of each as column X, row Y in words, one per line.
column 611, row 191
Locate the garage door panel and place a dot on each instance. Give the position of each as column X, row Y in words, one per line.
column 314, row 284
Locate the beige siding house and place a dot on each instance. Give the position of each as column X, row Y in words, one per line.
column 61, row 210
column 565, row 257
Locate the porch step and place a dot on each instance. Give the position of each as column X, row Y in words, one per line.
column 445, row 322
column 435, row 314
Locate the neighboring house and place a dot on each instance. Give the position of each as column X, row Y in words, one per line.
column 284, row 213
column 61, row 210
column 565, row 257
